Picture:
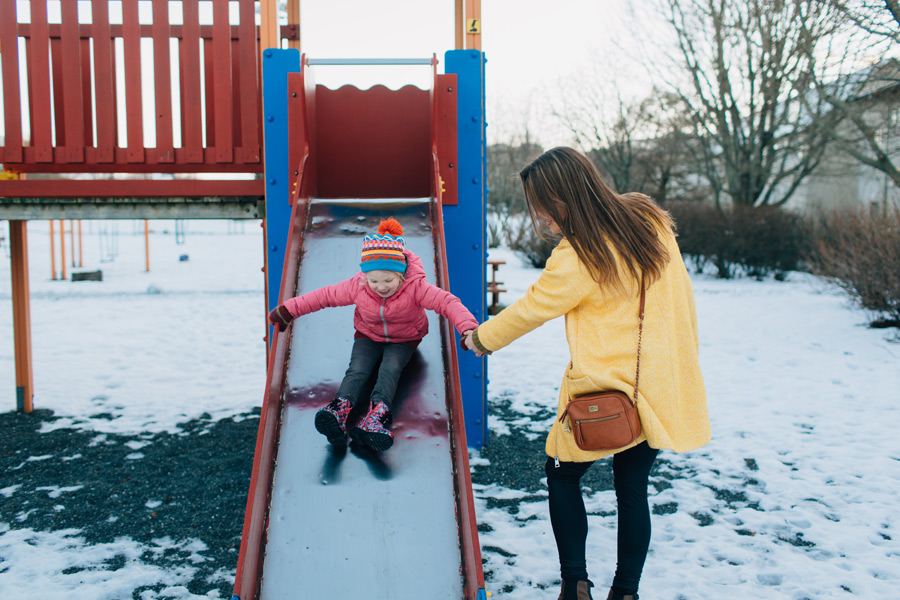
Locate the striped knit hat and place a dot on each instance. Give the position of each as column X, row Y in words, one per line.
column 383, row 251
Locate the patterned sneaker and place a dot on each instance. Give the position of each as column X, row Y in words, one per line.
column 331, row 421
column 373, row 430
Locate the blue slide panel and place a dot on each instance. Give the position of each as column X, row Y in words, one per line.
column 465, row 231
column 276, row 65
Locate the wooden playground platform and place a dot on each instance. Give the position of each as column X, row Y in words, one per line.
column 77, row 101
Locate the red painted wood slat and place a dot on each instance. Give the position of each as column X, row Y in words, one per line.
column 222, row 90
column 288, row 32
column 134, row 105
column 117, row 133
column 236, row 100
column 27, row 106
column 39, row 84
column 162, row 82
column 191, row 99
column 445, row 131
column 209, row 85
column 130, row 188
column 249, row 111
column 121, row 164
column 104, row 82
column 59, row 103
column 11, row 103
column 87, row 89
column 71, row 79
column 298, row 141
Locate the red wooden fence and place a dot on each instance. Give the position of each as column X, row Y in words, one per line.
column 86, row 88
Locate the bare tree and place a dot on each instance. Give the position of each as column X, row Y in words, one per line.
column 645, row 144
column 748, row 64
column 504, row 160
column 879, row 18
column 671, row 154
column 607, row 129
column 506, row 200
column 864, row 98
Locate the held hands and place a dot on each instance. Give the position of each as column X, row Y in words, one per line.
column 280, row 317
column 468, row 344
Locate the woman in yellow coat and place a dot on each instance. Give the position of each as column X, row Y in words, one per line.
column 611, row 243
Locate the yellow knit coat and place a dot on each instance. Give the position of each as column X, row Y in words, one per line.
column 602, row 332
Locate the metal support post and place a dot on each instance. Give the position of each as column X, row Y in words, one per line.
column 52, row 251
column 276, row 65
column 62, row 248
column 147, row 245
column 18, row 244
column 466, row 253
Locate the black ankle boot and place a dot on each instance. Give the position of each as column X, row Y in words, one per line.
column 613, row 595
column 576, row 590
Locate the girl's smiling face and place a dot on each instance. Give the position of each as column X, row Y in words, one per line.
column 384, row 283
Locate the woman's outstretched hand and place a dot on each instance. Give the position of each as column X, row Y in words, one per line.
column 468, row 344
column 280, row 317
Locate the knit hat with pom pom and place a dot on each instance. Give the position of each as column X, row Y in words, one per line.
column 383, row 251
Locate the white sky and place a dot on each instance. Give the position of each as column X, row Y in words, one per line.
column 537, row 50
column 532, row 47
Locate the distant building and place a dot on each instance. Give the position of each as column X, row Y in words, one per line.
column 841, row 180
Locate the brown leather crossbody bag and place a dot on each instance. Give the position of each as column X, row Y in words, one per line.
column 609, row 419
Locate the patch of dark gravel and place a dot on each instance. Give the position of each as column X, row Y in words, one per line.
column 516, row 461
column 189, row 485
column 192, row 485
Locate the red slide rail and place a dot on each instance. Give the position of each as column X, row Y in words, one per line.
column 465, row 499
column 443, row 151
column 246, row 582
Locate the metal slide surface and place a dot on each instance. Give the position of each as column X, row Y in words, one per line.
column 349, row 523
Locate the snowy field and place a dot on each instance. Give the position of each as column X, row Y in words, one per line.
column 796, row 496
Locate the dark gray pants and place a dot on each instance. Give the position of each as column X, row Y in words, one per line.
column 364, row 358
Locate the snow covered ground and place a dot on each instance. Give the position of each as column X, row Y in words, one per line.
column 796, row 496
column 185, row 329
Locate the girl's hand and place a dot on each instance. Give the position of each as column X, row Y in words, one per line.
column 469, row 344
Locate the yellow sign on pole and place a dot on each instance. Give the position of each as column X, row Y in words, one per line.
column 473, row 26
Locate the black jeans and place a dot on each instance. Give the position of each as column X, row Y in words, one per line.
column 363, row 358
column 631, row 471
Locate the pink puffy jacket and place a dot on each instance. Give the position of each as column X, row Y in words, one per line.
column 398, row 318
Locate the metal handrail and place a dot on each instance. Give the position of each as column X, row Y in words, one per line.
column 368, row 61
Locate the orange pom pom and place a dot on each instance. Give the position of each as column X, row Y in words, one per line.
column 390, row 226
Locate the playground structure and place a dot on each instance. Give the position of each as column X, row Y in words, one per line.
column 67, row 110
column 352, row 156
column 357, row 156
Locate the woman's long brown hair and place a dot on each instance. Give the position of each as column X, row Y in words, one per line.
column 598, row 222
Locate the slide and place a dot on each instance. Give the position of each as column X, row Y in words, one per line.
column 347, row 522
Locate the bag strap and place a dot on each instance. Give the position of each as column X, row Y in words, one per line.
column 637, row 370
